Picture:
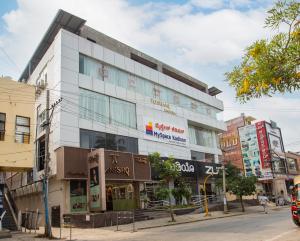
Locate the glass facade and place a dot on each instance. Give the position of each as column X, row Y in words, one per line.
column 94, row 139
column 204, row 157
column 121, row 78
column 201, row 137
column 105, row 109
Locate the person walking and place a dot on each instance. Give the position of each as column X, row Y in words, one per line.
column 263, row 200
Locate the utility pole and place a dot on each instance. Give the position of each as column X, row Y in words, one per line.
column 48, row 232
column 46, row 168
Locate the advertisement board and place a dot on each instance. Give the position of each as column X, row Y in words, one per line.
column 263, row 144
column 94, row 188
column 250, row 151
column 96, row 180
column 163, row 131
column 252, row 140
column 275, row 138
column 78, row 199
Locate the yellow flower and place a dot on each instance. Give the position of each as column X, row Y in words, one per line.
column 246, row 85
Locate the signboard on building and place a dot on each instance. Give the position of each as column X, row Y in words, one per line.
column 250, row 151
column 250, row 147
column 263, row 144
column 78, row 199
column 275, row 138
column 163, row 131
column 96, row 180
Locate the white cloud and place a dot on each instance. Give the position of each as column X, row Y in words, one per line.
column 208, row 4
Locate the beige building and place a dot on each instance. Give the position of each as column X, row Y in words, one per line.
column 17, row 125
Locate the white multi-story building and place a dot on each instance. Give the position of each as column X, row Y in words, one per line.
column 118, row 98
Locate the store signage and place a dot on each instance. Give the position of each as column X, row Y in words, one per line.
column 115, row 169
column 185, row 167
column 212, row 170
column 166, row 107
column 263, row 144
column 118, row 170
column 165, row 132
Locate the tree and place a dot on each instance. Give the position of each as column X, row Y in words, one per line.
column 271, row 66
column 242, row 186
column 168, row 171
column 237, row 183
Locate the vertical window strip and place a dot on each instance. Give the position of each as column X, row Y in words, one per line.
column 2, row 126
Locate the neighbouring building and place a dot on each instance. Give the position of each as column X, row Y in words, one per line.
column 293, row 167
column 230, row 141
column 264, row 156
column 118, row 105
column 257, row 149
column 17, row 125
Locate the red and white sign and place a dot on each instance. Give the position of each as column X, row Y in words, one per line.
column 263, row 144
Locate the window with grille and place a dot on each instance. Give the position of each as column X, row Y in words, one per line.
column 22, row 129
column 2, row 126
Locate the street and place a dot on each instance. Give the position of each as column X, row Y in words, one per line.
column 277, row 225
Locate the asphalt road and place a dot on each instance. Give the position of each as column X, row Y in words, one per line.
column 275, row 226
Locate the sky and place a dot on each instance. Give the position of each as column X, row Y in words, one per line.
column 203, row 38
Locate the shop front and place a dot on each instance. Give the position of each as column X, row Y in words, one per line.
column 125, row 174
column 194, row 173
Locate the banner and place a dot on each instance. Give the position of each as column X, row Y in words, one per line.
column 78, row 197
column 94, row 188
column 263, row 144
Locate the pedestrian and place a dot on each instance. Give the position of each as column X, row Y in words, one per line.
column 263, row 200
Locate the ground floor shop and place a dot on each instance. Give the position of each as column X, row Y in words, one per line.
column 94, row 184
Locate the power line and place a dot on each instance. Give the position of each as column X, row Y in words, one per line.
column 11, row 60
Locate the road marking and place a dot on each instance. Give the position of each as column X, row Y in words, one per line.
column 278, row 237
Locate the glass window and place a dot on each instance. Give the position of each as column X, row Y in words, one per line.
column 122, row 113
column 94, row 139
column 93, row 106
column 22, row 134
column 41, row 154
column 2, row 126
column 118, row 77
column 201, row 137
column 90, row 67
column 111, row 142
column 197, row 156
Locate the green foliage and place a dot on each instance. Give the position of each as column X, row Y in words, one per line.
column 237, row 183
column 182, row 190
column 242, row 186
column 167, row 169
column 271, row 66
column 162, row 193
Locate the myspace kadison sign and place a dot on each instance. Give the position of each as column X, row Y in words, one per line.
column 210, row 170
column 185, row 167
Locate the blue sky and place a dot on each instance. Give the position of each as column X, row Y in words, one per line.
column 204, row 38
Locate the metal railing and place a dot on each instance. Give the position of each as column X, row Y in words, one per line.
column 129, row 215
column 157, row 204
column 199, row 200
